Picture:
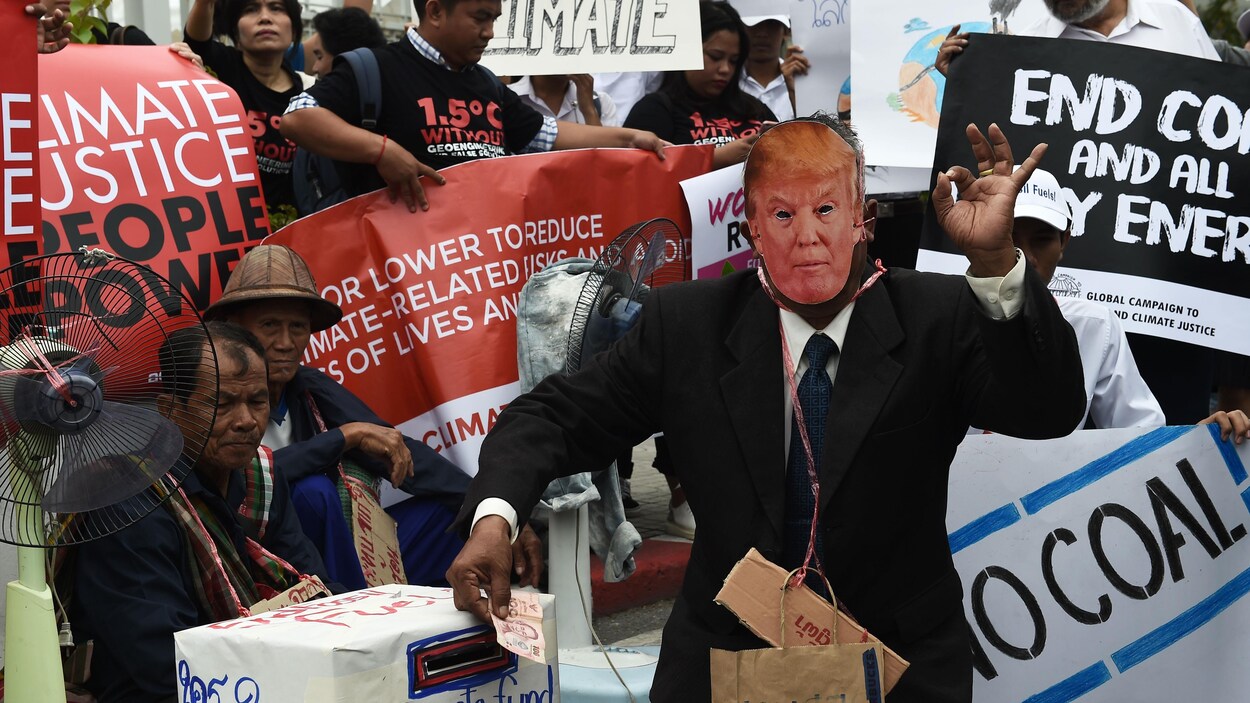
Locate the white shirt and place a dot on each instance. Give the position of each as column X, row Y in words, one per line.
column 775, row 95
column 278, row 434
column 627, row 88
column 1163, row 25
column 1115, row 393
column 569, row 109
column 999, row 297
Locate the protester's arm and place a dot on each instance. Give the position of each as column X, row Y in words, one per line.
column 952, row 46
column 427, row 473
column 580, row 136
column 609, row 115
column 795, row 64
column 322, row 132
column 1121, row 397
column 131, row 586
column 585, row 86
column 199, row 27
column 564, row 424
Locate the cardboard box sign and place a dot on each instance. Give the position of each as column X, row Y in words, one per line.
column 382, row 644
column 751, row 592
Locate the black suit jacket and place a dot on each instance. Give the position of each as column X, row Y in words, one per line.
column 920, row 363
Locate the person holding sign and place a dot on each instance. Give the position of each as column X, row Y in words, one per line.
column 900, row 363
column 256, row 68
column 708, row 106
column 225, row 540
column 439, row 107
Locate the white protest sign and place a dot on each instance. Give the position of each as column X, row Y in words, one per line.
column 718, row 246
column 822, row 28
column 542, row 37
column 898, row 92
column 1110, row 565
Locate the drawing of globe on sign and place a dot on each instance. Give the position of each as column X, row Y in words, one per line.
column 919, row 95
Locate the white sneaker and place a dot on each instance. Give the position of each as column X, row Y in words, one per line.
column 680, row 521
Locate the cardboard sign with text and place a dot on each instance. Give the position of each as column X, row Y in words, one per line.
column 541, row 37
column 376, row 538
column 1106, row 566
column 428, row 336
column 752, row 591
column 307, row 589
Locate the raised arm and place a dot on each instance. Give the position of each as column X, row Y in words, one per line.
column 200, row 21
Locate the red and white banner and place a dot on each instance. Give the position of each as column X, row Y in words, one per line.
column 428, row 337
column 150, row 158
column 18, row 120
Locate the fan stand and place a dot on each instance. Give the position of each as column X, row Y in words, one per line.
column 32, row 652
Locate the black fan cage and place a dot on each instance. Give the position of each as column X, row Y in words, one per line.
column 144, row 344
column 618, row 268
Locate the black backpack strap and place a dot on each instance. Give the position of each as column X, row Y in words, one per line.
column 368, row 85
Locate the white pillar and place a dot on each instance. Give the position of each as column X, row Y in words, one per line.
column 153, row 17
column 568, row 543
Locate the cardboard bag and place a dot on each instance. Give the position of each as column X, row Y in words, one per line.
column 377, row 542
column 750, row 592
column 845, row 673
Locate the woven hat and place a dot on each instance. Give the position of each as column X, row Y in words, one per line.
column 271, row 272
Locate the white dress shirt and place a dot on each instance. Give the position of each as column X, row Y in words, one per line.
column 1115, row 393
column 775, row 95
column 1163, row 25
column 627, row 89
column 570, row 111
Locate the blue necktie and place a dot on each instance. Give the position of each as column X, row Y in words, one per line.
column 813, row 391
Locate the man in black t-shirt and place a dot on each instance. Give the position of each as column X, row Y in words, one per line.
column 439, row 108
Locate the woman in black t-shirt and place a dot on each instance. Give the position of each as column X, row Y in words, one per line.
column 262, row 31
column 707, row 106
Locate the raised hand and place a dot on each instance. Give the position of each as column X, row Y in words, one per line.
column 952, row 46
column 980, row 221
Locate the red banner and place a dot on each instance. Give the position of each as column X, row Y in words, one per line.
column 18, row 121
column 150, row 158
column 428, row 337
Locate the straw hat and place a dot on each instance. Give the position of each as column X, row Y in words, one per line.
column 271, row 272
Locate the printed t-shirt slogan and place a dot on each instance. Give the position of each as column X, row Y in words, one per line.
column 428, row 335
column 1150, row 155
column 150, row 158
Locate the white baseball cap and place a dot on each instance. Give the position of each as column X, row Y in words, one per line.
column 1042, row 199
column 752, row 20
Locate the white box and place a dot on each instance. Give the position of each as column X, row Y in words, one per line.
column 390, row 643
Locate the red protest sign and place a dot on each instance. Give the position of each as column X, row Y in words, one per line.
column 18, row 120
column 428, row 337
column 150, row 158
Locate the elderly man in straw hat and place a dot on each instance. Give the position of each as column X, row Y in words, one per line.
column 321, row 432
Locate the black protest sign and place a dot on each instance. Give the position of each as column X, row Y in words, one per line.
column 1150, row 151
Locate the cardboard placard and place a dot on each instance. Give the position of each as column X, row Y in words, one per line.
column 307, row 589
column 846, row 673
column 377, row 542
column 750, row 592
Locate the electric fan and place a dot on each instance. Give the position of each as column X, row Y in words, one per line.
column 647, row 255
column 86, row 447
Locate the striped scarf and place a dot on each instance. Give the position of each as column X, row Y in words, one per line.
column 226, row 584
